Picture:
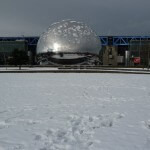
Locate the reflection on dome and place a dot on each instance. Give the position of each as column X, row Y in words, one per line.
column 68, row 37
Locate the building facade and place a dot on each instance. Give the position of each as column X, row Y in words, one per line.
column 7, row 47
column 116, row 50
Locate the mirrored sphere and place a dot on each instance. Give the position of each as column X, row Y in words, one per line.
column 69, row 36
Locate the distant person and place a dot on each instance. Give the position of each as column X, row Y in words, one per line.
column 148, row 64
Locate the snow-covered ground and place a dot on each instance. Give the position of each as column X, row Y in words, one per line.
column 74, row 112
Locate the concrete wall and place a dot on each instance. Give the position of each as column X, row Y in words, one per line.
column 110, row 55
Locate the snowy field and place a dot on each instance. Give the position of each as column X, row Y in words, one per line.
column 74, row 112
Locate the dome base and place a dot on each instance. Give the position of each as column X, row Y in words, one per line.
column 67, row 58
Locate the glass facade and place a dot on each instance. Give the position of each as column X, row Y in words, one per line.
column 141, row 50
column 10, row 46
column 7, row 47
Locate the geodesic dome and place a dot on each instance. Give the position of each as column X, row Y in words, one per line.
column 69, row 36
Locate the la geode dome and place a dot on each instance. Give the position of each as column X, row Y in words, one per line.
column 69, row 37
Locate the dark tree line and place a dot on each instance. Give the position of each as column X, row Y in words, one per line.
column 18, row 58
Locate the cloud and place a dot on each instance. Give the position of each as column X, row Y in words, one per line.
column 106, row 17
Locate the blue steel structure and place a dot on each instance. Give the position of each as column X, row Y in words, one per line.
column 125, row 40
column 115, row 40
column 121, row 40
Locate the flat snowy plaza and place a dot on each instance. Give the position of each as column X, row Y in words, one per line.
column 74, row 111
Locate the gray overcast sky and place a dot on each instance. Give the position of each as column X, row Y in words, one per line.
column 106, row 17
